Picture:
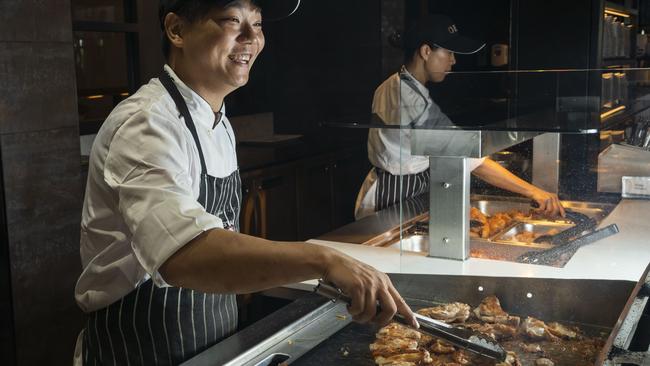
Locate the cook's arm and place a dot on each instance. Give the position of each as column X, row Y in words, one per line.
column 222, row 261
column 495, row 174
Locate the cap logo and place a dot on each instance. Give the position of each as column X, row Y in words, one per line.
column 452, row 29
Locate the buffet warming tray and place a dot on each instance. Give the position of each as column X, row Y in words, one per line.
column 503, row 244
column 616, row 310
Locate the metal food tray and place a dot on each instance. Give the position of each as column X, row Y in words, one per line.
column 510, row 233
column 490, row 205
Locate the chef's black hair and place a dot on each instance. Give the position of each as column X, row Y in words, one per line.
column 397, row 40
column 190, row 10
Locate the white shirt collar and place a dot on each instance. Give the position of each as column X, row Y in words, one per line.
column 199, row 108
column 423, row 89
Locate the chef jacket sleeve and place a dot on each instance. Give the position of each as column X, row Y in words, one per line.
column 147, row 167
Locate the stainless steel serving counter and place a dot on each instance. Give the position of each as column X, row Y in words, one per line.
column 383, row 229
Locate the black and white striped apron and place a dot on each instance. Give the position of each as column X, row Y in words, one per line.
column 395, row 188
column 166, row 326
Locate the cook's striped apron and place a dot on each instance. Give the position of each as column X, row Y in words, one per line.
column 166, row 326
column 393, row 188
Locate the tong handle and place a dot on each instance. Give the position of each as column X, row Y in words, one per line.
column 335, row 294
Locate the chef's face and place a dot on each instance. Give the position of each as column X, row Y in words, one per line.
column 225, row 44
column 438, row 62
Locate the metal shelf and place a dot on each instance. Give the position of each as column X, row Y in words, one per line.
column 104, row 27
column 621, row 8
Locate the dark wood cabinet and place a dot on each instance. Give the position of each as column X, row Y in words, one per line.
column 327, row 191
column 349, row 172
column 315, row 201
column 303, row 199
column 269, row 205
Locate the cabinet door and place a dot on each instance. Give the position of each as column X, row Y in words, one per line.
column 315, row 198
column 249, row 215
column 349, row 171
column 276, row 191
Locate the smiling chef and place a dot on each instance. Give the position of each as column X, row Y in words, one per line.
column 161, row 252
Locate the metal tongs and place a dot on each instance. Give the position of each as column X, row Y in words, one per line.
column 464, row 338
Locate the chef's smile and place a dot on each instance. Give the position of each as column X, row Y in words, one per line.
column 241, row 59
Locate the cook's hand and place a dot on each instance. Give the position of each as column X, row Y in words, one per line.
column 367, row 287
column 549, row 203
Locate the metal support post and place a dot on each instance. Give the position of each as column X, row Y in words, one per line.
column 449, row 208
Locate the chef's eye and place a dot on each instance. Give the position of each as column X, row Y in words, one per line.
column 257, row 24
column 231, row 20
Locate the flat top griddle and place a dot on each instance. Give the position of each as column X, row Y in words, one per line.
column 313, row 331
column 350, row 347
column 592, row 305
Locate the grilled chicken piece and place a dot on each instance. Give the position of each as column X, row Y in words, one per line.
column 531, row 348
column 561, row 331
column 441, row 347
column 462, row 357
column 536, row 329
column 482, row 230
column 387, row 346
column 511, row 360
column 400, row 363
column 499, row 221
column 490, row 311
column 544, row 362
column 526, row 237
column 455, row 312
column 519, row 216
column 496, row 331
column 416, row 357
column 399, row 331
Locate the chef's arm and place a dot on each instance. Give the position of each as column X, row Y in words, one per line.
column 222, row 261
column 498, row 176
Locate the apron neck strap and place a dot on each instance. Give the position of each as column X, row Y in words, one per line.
column 168, row 83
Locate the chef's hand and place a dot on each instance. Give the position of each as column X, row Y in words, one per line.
column 367, row 287
column 549, row 203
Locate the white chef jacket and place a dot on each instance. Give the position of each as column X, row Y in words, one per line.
column 141, row 203
column 399, row 100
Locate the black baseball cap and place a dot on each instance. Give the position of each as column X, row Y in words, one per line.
column 272, row 9
column 440, row 31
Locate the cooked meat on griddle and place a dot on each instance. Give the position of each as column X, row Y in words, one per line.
column 496, row 331
column 441, row 347
column 544, row 362
column 462, row 357
column 535, row 342
column 490, row 311
column 398, row 331
column 418, row 357
column 400, row 363
column 532, row 347
column 511, row 360
column 561, row 331
column 387, row 346
column 455, row 312
column 536, row 329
